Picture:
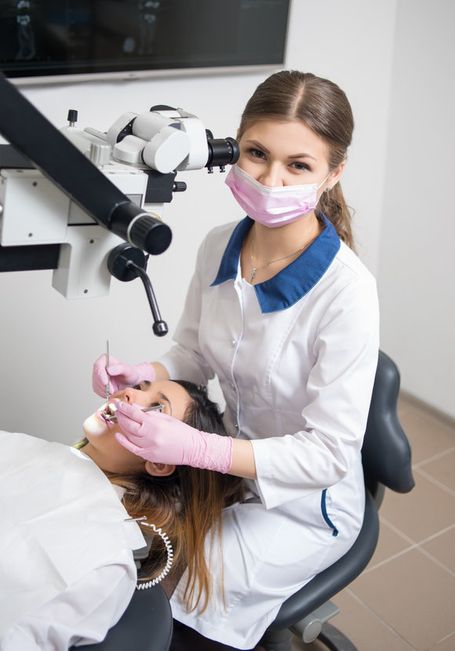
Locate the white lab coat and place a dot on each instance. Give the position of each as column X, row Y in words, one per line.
column 296, row 358
column 66, row 564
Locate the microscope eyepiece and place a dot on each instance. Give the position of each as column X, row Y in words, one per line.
column 222, row 151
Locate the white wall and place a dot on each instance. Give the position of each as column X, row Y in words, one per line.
column 351, row 43
column 48, row 344
column 416, row 266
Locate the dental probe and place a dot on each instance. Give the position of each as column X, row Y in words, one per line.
column 108, row 395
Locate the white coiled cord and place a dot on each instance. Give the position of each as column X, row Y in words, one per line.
column 170, row 557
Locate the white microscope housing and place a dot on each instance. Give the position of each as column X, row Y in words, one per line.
column 140, row 155
column 164, row 139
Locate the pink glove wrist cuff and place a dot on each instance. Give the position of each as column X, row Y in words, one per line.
column 218, row 452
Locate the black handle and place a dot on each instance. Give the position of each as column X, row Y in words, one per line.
column 127, row 263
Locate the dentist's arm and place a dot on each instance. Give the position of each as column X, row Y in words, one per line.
column 243, row 464
column 161, row 438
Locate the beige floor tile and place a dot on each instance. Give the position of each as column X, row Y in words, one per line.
column 443, row 549
column 390, row 543
column 426, row 510
column 446, row 645
column 404, row 404
column 427, row 434
column 364, row 628
column 442, row 469
column 414, row 595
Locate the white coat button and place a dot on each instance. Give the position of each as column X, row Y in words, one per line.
column 234, row 342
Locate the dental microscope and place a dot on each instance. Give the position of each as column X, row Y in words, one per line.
column 89, row 204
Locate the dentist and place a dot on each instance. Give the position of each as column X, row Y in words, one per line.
column 284, row 313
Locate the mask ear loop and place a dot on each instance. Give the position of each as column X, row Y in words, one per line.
column 145, row 585
column 323, row 181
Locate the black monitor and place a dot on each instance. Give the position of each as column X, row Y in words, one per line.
column 65, row 40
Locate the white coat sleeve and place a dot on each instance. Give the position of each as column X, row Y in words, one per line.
column 338, row 392
column 81, row 615
column 184, row 361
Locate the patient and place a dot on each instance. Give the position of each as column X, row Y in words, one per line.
column 66, row 535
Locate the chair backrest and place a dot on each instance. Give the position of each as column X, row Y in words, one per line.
column 386, row 452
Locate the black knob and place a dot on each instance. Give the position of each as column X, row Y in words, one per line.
column 72, row 116
column 150, row 234
column 118, row 262
column 146, row 232
column 160, row 328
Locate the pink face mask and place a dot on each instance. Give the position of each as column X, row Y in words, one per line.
column 272, row 207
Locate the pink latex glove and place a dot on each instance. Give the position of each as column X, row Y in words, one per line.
column 119, row 375
column 161, row 438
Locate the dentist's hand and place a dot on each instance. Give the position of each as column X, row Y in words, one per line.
column 161, row 438
column 119, row 375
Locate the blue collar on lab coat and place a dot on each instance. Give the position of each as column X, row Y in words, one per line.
column 294, row 281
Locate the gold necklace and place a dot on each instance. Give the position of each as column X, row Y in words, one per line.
column 254, row 269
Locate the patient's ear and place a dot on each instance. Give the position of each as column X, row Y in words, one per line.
column 159, row 469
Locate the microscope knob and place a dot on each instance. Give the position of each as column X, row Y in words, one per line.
column 72, row 117
column 100, row 154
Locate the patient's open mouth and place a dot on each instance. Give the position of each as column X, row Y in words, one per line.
column 108, row 413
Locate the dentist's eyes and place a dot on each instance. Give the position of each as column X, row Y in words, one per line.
column 255, row 153
column 300, row 167
column 258, row 154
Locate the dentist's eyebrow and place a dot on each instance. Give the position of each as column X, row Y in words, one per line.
column 302, row 156
column 257, row 144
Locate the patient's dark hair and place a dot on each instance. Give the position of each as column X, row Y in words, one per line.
column 187, row 505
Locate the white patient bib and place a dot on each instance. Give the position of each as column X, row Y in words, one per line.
column 60, row 518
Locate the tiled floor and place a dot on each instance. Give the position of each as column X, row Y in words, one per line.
column 405, row 599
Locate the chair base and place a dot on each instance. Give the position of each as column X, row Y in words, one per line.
column 330, row 636
column 334, row 639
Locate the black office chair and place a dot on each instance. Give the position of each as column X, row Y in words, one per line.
column 386, row 458
column 146, row 625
